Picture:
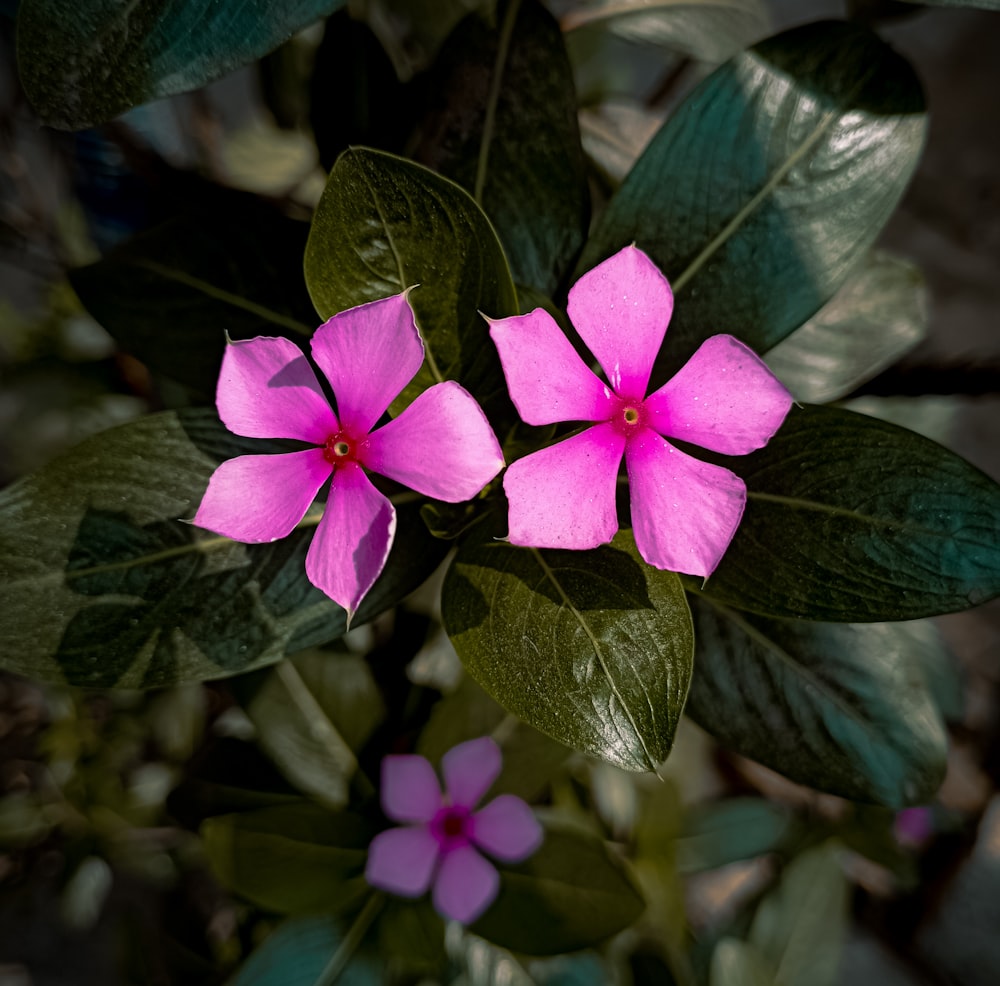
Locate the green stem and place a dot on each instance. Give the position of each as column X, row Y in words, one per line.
column 355, row 934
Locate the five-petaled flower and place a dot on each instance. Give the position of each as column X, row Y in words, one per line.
column 440, row 839
column 441, row 445
column 684, row 511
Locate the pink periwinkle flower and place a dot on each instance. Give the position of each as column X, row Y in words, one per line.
column 441, row 445
column 442, row 839
column 684, row 511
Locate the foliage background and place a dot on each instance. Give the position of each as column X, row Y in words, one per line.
column 64, row 919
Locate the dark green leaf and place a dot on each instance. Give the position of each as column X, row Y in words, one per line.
column 849, row 518
column 726, row 831
column 879, row 314
column 710, row 30
column 738, row 963
column 512, row 139
column 297, row 952
column 170, row 296
column 101, row 585
column 569, row 895
column 799, row 926
column 845, row 709
column 770, row 182
column 591, row 647
column 385, row 224
column 83, row 64
column 313, row 712
column 290, row 859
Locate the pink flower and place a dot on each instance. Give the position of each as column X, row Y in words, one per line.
column 441, row 445
column 684, row 511
column 441, row 837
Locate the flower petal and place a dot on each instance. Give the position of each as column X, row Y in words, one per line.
column 469, row 769
column 410, row 789
column 441, row 445
column 621, row 309
column 547, row 380
column 465, row 886
column 402, row 861
column 267, row 389
column 507, row 829
column 369, row 354
column 724, row 398
column 684, row 511
column 563, row 496
column 260, row 498
column 353, row 539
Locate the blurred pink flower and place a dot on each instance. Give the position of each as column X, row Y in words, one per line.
column 441, row 838
column 441, row 445
column 913, row 827
column 684, row 511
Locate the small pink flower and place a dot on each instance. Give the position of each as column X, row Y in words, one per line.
column 441, row 445
column 441, row 837
column 684, row 511
column 913, row 827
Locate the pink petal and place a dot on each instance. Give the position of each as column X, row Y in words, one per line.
column 724, row 398
column 469, row 769
column 684, row 512
column 564, row 496
column 260, row 498
column 410, row 790
column 267, row 389
column 621, row 309
column 441, row 445
column 465, row 886
column 507, row 829
column 353, row 539
column 547, row 380
column 369, row 354
column 402, row 861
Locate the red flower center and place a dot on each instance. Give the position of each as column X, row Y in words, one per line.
column 451, row 826
column 340, row 448
column 629, row 416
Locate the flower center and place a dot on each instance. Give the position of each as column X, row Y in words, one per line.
column 628, row 417
column 339, row 448
column 450, row 826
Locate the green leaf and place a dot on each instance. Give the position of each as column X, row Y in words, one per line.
column 879, row 314
column 852, row 519
column 297, row 952
column 385, row 224
column 593, row 648
column 291, row 859
column 313, row 712
column 724, row 832
column 710, row 30
column 770, row 182
column 569, row 895
column 843, row 708
column 530, row 758
column 83, row 64
column 170, row 296
column 102, row 586
column 502, row 123
column 799, row 926
column 738, row 963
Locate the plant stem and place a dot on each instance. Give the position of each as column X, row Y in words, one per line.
column 355, row 934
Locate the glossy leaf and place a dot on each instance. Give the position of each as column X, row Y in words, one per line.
column 502, row 123
column 770, row 182
column 290, row 859
column 799, row 926
column 297, row 952
column 592, row 648
column 723, row 832
column 843, row 708
column 313, row 712
column 879, row 314
column 101, row 585
column 385, row 224
column 568, row 895
column 852, row 519
column 170, row 296
column 710, row 30
column 85, row 64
